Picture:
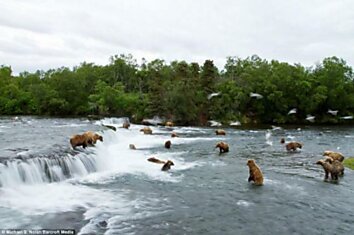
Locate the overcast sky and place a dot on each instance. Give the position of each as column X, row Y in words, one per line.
column 47, row 34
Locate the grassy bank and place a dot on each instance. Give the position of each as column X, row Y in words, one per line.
column 349, row 163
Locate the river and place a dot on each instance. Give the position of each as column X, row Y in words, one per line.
column 111, row 189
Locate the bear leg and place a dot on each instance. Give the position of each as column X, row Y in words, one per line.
column 326, row 175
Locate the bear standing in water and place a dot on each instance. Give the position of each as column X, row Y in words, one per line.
column 167, row 165
column 334, row 155
column 223, row 147
column 146, row 130
column 168, row 144
column 220, row 132
column 256, row 174
column 174, row 134
column 333, row 167
column 89, row 138
column 126, row 125
column 292, row 146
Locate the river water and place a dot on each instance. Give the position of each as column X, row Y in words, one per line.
column 110, row 189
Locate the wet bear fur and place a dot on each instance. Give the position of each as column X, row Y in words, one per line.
column 174, row 134
column 89, row 138
column 132, row 146
column 334, row 155
column 155, row 160
column 292, row 146
column 256, row 174
column 146, row 130
column 333, row 167
column 169, row 124
column 223, row 147
column 220, row 132
column 167, row 165
column 126, row 125
column 168, row 144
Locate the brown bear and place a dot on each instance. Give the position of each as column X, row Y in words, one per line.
column 146, row 130
column 78, row 140
column 334, row 155
column 126, row 125
column 84, row 140
column 93, row 137
column 155, row 160
column 333, row 167
column 174, row 134
column 255, row 173
column 169, row 124
column 223, row 147
column 132, row 146
column 167, row 165
column 282, row 141
column 220, row 132
column 293, row 146
column 168, row 144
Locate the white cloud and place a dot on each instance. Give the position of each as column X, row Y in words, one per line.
column 48, row 34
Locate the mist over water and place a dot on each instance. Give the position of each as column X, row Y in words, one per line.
column 46, row 184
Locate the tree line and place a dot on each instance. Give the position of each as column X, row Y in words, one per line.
column 180, row 91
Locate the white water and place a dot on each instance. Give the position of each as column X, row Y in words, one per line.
column 41, row 185
column 113, row 156
column 268, row 138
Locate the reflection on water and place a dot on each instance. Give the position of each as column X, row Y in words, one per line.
column 112, row 189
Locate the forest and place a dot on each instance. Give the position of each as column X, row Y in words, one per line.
column 186, row 93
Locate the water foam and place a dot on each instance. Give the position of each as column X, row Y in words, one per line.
column 243, row 203
column 57, row 184
column 113, row 156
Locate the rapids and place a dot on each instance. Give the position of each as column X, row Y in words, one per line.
column 46, row 184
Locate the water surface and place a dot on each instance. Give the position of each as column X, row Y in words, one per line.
column 46, row 184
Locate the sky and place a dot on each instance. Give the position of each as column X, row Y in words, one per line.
column 46, row 34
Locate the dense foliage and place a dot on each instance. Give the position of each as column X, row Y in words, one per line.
column 179, row 90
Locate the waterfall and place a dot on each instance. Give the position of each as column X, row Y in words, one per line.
column 111, row 155
column 45, row 169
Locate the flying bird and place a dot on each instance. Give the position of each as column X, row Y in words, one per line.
column 294, row 110
column 213, row 94
column 214, row 123
column 346, row 117
column 310, row 118
column 333, row 112
column 268, row 138
column 236, row 123
column 274, row 128
column 256, row 95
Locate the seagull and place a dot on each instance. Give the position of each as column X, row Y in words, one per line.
column 346, row 117
column 294, row 110
column 214, row 123
column 268, row 136
column 333, row 112
column 274, row 128
column 310, row 118
column 256, row 95
column 236, row 123
column 213, row 94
